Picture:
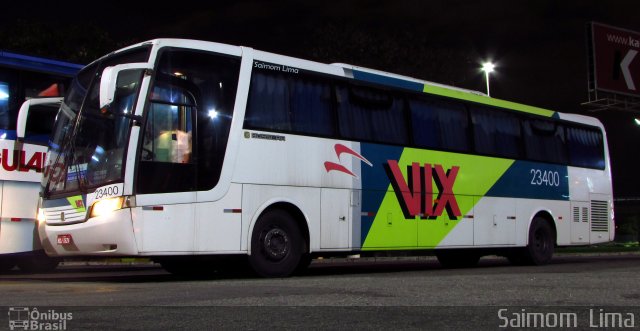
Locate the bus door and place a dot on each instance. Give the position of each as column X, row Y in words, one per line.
column 183, row 145
column 336, row 204
column 167, row 173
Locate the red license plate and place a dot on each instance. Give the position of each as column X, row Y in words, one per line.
column 64, row 239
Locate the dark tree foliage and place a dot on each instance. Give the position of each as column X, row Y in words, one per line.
column 399, row 50
column 72, row 43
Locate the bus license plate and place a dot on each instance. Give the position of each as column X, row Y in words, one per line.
column 64, row 239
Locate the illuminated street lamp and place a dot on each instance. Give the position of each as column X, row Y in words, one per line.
column 637, row 120
column 488, row 67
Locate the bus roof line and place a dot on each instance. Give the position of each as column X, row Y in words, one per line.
column 399, row 78
column 412, row 84
column 384, row 78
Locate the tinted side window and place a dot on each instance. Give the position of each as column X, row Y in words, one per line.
column 297, row 103
column 440, row 124
column 586, row 147
column 544, row 141
column 40, row 124
column 371, row 114
column 496, row 132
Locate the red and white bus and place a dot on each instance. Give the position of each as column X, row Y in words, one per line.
column 24, row 132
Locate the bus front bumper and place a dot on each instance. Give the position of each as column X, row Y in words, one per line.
column 108, row 235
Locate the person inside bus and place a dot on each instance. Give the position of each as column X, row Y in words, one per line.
column 173, row 146
column 164, row 141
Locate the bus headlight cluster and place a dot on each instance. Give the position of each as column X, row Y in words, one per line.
column 106, row 206
column 40, row 216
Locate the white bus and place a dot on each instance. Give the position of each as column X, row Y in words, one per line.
column 183, row 150
column 22, row 163
column 24, row 132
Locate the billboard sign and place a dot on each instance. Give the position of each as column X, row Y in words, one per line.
column 616, row 62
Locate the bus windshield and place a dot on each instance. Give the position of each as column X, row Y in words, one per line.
column 87, row 146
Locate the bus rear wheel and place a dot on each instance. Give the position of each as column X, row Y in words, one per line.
column 540, row 248
column 277, row 246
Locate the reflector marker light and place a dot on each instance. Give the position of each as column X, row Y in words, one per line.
column 155, row 208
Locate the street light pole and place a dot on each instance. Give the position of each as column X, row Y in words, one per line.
column 488, row 67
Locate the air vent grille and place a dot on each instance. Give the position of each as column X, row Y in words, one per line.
column 599, row 216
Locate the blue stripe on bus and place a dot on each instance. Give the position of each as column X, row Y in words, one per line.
column 38, row 64
column 375, row 182
column 388, row 81
column 533, row 180
column 8, row 134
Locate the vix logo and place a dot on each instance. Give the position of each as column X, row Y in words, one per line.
column 416, row 197
column 342, row 149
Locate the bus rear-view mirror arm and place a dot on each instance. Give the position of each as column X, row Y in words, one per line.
column 23, row 113
column 109, row 81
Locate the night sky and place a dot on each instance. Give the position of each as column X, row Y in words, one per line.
column 539, row 46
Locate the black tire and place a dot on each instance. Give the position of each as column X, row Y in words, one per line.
column 6, row 264
column 305, row 262
column 37, row 261
column 457, row 258
column 277, row 246
column 539, row 250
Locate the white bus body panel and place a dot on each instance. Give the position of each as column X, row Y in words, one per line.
column 19, row 194
column 219, row 223
column 165, row 222
column 288, row 172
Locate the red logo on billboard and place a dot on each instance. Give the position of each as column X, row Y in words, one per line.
column 341, row 149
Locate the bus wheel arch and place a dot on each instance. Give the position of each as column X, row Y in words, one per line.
column 541, row 241
column 546, row 216
column 279, row 241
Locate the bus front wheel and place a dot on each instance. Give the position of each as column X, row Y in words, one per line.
column 277, row 245
column 36, row 262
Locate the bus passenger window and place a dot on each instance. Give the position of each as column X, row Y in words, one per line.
column 4, row 105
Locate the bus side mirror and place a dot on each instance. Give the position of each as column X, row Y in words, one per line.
column 23, row 113
column 109, row 81
column 108, row 86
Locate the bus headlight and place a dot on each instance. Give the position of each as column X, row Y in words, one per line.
column 40, row 216
column 106, row 206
